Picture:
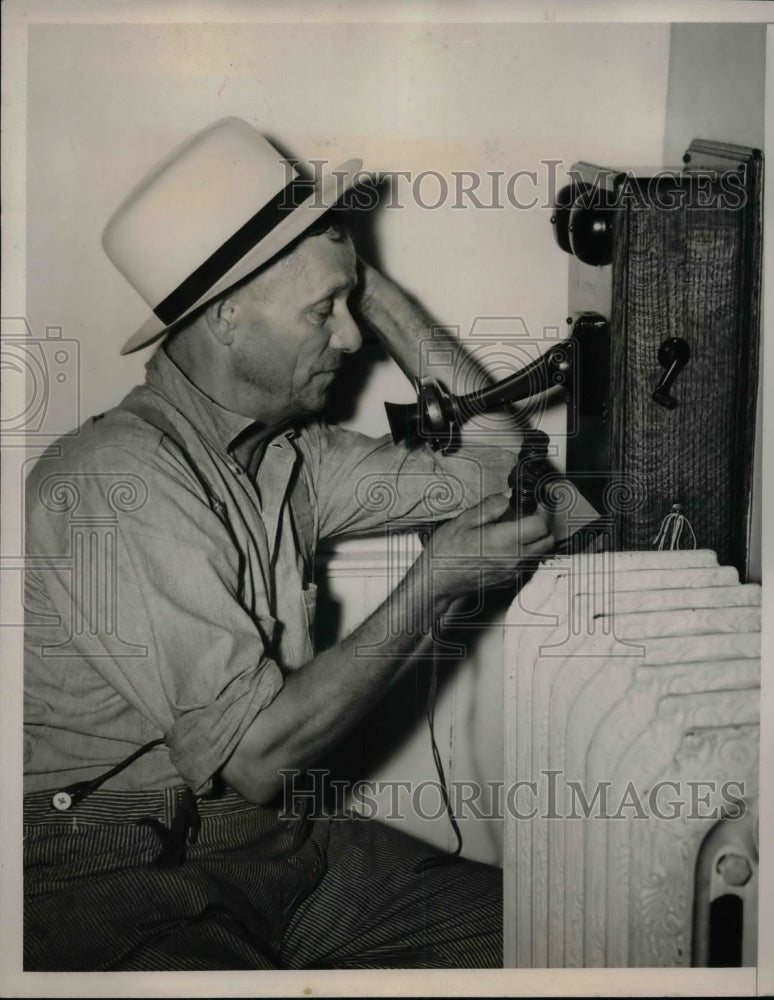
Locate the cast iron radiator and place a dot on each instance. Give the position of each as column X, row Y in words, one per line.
column 632, row 694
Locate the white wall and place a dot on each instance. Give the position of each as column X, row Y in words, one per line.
column 717, row 79
column 106, row 101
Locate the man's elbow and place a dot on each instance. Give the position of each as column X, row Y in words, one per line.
column 253, row 777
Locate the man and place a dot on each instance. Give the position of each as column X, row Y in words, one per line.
column 170, row 677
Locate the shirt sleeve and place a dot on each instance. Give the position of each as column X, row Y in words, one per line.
column 172, row 636
column 363, row 483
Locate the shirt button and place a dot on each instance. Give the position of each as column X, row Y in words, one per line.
column 61, row 801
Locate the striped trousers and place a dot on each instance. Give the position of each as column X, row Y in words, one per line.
column 255, row 891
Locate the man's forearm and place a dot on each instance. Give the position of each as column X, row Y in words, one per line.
column 325, row 697
column 402, row 324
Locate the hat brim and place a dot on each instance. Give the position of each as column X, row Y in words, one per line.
column 331, row 189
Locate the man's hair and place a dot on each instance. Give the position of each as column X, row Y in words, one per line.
column 332, row 224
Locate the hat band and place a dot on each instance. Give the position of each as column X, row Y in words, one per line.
column 189, row 291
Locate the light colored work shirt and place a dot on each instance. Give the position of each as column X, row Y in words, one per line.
column 169, row 584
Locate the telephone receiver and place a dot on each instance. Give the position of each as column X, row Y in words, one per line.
column 438, row 415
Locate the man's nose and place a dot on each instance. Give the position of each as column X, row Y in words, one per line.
column 346, row 336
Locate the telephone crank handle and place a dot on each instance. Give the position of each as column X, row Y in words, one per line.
column 673, row 355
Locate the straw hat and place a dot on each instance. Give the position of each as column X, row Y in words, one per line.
column 216, row 208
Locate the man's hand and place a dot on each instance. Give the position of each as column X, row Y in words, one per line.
column 477, row 548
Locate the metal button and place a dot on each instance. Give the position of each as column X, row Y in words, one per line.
column 61, row 801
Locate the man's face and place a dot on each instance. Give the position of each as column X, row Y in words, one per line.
column 293, row 326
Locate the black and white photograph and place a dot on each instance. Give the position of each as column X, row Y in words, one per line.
column 384, row 422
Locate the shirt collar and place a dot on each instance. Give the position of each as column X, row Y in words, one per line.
column 229, row 431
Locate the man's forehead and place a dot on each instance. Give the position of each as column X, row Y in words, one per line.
column 321, row 265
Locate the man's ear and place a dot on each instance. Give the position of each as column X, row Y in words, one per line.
column 221, row 317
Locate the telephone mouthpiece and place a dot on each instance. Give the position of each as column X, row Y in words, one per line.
column 433, row 418
column 403, row 419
